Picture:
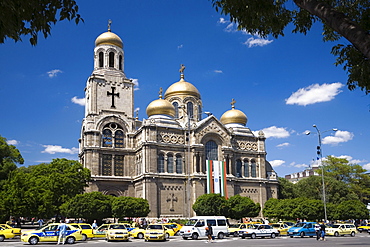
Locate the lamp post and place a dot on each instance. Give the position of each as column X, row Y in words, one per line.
column 319, row 153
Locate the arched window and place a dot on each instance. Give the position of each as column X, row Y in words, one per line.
column 101, row 59
column 246, row 168
column 200, row 112
column 160, row 164
column 253, row 169
column 107, row 138
column 176, row 105
column 211, row 150
column 111, row 59
column 107, row 165
column 178, row 164
column 120, row 62
column 118, row 139
column 118, row 165
column 190, row 109
column 238, row 170
column 170, row 163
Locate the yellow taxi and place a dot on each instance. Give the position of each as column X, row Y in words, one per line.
column 234, row 229
column 174, row 226
column 16, row 231
column 363, row 228
column 100, row 231
column 86, row 229
column 281, row 227
column 116, row 232
column 155, row 232
column 5, row 233
column 341, row 229
column 169, row 230
column 137, row 233
column 49, row 233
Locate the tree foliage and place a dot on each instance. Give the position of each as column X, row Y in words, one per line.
column 9, row 158
column 341, row 19
column 90, row 206
column 240, row 207
column 125, row 206
column 351, row 210
column 211, row 204
column 286, row 189
column 22, row 18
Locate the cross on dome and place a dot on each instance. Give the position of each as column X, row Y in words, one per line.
column 233, row 103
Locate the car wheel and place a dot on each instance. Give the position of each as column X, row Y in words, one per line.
column 194, row 236
column 336, row 234
column 2, row 238
column 302, row 234
column 140, row 235
column 273, row 235
column 291, row 236
column 185, row 238
column 167, row 235
column 220, row 235
column 236, row 234
column 33, row 240
column 70, row 240
column 243, row 237
column 353, row 234
column 253, row 236
column 84, row 237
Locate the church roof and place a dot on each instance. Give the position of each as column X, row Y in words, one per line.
column 109, row 38
column 183, row 88
column 234, row 116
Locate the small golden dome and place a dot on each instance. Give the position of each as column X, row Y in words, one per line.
column 109, row 38
column 182, row 87
column 160, row 107
column 234, row 116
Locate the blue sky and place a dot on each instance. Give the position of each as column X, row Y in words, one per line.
column 284, row 85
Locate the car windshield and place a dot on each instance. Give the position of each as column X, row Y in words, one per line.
column 300, row 224
column 191, row 222
column 117, row 227
column 275, row 225
column 335, row 226
column 234, row 226
column 155, row 227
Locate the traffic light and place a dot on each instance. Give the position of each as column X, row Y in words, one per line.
column 318, row 150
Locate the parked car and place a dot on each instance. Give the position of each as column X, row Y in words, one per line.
column 155, row 232
column 196, row 227
column 341, row 229
column 49, row 233
column 234, row 229
column 100, row 231
column 302, row 229
column 364, row 228
column 5, row 234
column 259, row 230
column 86, row 229
column 116, row 232
column 16, row 231
column 281, row 227
column 137, row 233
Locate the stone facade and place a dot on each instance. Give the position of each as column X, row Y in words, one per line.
column 163, row 158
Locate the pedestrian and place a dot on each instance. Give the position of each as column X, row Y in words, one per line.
column 209, row 232
column 94, row 225
column 317, row 230
column 40, row 222
column 322, row 228
column 62, row 228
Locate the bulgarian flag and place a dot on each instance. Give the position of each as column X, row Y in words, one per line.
column 216, row 177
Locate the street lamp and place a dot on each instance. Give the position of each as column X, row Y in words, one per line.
column 319, row 152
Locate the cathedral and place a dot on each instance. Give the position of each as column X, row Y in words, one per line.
column 164, row 158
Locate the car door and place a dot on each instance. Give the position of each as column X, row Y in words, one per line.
column 50, row 233
column 261, row 231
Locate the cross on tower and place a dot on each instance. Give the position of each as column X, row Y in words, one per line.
column 112, row 94
column 233, row 103
column 172, row 198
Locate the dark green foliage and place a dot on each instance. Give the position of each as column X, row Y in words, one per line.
column 211, row 204
column 125, row 206
column 22, row 18
column 351, row 210
column 286, row 189
column 9, row 158
column 240, row 207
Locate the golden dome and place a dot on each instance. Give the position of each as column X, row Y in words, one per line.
column 160, row 107
column 182, row 87
column 234, row 116
column 109, row 38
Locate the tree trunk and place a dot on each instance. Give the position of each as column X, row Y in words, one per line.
column 340, row 23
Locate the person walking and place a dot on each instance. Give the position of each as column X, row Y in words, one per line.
column 322, row 228
column 94, row 225
column 209, row 233
column 62, row 228
column 317, row 230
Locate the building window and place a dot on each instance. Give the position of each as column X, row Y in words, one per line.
column 238, row 172
column 118, row 165
column 190, row 109
column 111, row 59
column 107, row 165
column 170, row 163
column 118, row 139
column 120, row 62
column 254, row 169
column 107, row 138
column 176, row 105
column 200, row 112
column 246, row 168
column 160, row 165
column 211, row 150
column 101, row 59
column 178, row 164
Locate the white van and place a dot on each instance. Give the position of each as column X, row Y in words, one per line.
column 196, row 227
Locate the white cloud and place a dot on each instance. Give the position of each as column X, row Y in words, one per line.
column 285, row 144
column 222, row 20
column 350, row 159
column 314, row 94
column 276, row 163
column 366, row 166
column 275, row 132
column 52, row 149
column 218, row 71
column 180, row 46
column 78, row 101
column 136, row 83
column 298, row 165
column 53, row 73
column 252, row 42
column 339, row 136
column 12, row 142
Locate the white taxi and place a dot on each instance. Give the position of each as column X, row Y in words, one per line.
column 259, row 230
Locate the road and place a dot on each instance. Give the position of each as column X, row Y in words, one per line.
column 361, row 239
